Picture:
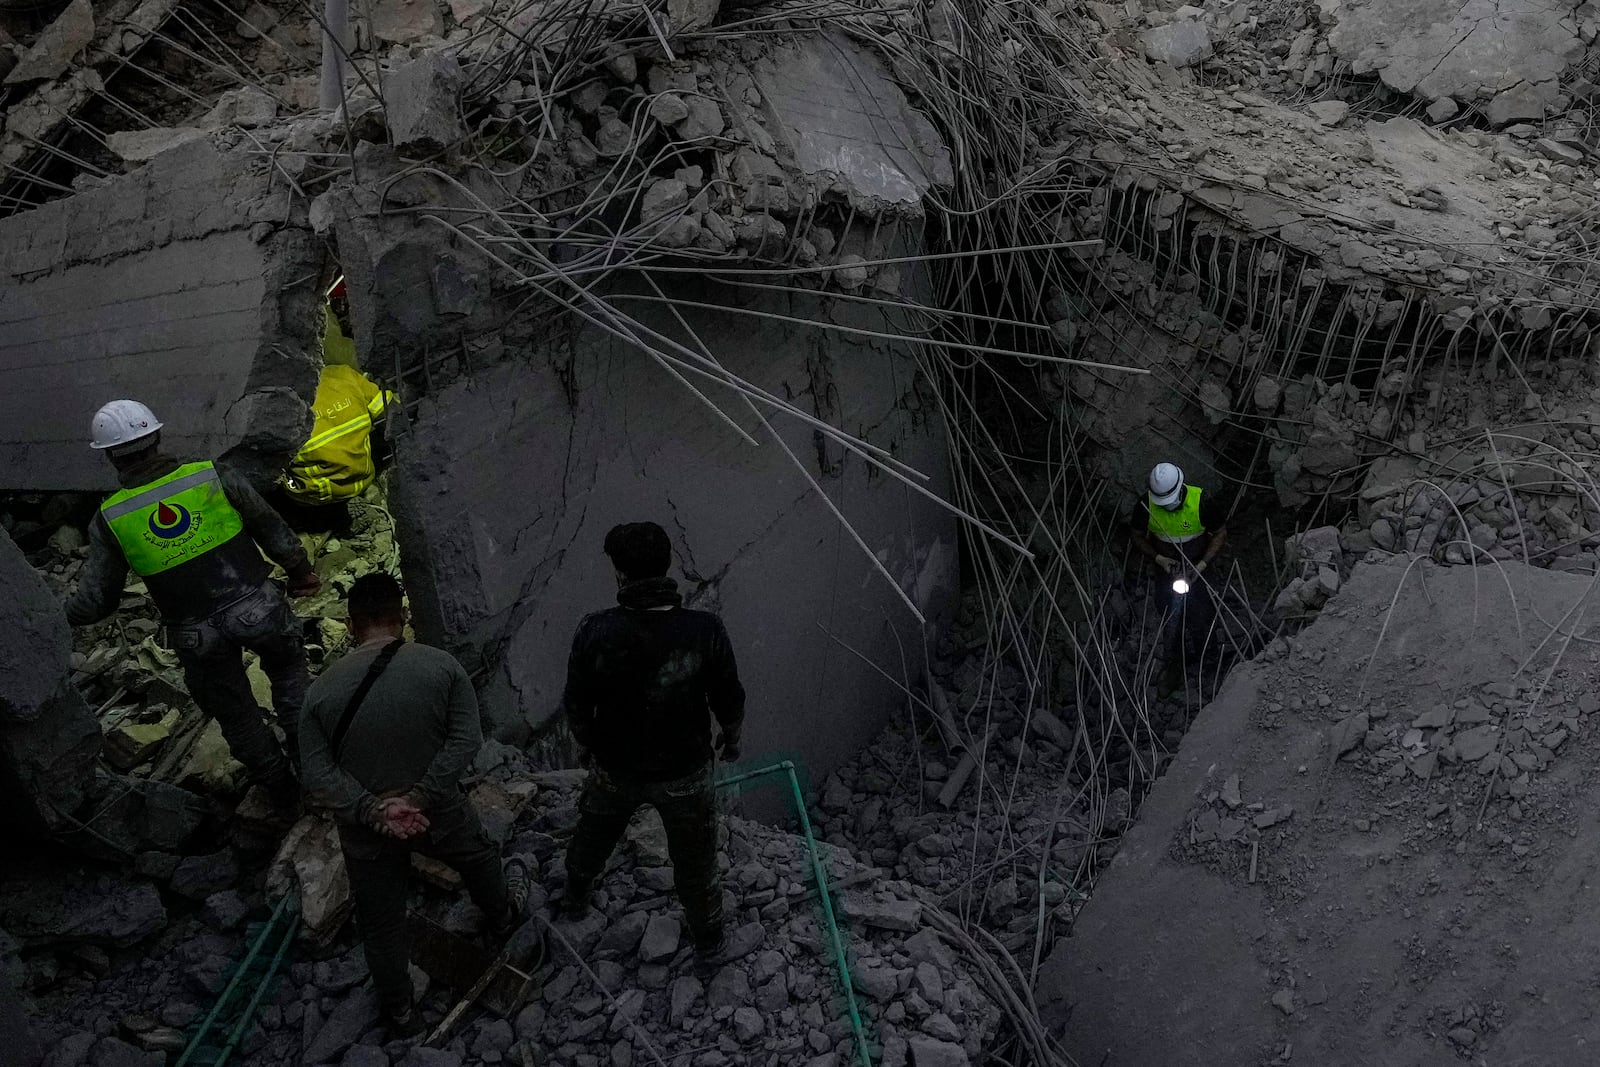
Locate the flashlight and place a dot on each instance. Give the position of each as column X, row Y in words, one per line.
column 1180, row 586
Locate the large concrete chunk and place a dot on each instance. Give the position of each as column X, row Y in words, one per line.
column 57, row 47
column 841, row 118
column 159, row 286
column 1475, row 50
column 1407, row 876
column 422, row 103
column 48, row 737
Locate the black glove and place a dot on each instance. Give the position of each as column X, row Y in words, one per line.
column 728, row 747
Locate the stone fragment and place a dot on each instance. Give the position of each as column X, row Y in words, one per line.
column 931, row 1052
column 114, row 1052
column 686, row 989
column 246, row 106
column 1443, row 110
column 1475, row 744
column 660, row 940
column 406, row 21
column 56, row 49
column 747, row 1025
column 422, row 1056
column 665, row 196
column 365, row 1056
column 422, row 99
column 225, row 911
column 903, row 915
column 669, row 109
column 1267, row 395
column 730, row 988
column 1182, row 43
column 137, row 146
column 59, row 907
column 356, row 1013
column 622, row 936
column 1329, row 112
column 687, row 16
column 703, row 122
column 613, row 139
column 1283, row 1000
column 1349, row 732
column 197, row 877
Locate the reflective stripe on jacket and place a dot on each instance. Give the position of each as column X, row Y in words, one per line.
column 172, row 520
column 336, row 462
column 1178, row 525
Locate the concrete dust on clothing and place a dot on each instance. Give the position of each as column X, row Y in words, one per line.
column 1385, row 923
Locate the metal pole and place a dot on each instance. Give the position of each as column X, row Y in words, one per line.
column 335, row 44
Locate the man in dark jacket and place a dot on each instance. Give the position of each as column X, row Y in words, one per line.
column 643, row 683
column 195, row 533
column 386, row 758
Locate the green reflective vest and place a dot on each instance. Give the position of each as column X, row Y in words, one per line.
column 1180, row 524
column 172, row 520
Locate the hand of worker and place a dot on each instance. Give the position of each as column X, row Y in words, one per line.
column 398, row 817
column 728, row 748
column 305, row 584
column 1200, row 568
column 1167, row 563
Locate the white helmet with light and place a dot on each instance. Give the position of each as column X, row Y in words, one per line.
column 1166, row 484
column 121, row 423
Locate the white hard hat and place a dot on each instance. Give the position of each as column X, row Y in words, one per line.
column 1166, row 484
column 122, row 422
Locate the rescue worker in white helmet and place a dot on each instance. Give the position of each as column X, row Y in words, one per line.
column 195, row 533
column 1178, row 524
column 346, row 448
column 1182, row 528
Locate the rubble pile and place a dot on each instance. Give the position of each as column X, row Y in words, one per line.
column 152, row 729
column 634, row 985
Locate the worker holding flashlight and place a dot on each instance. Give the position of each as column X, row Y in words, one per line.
column 1182, row 529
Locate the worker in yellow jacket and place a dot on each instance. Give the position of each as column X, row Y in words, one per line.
column 346, row 447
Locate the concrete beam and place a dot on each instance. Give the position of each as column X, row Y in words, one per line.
column 173, row 285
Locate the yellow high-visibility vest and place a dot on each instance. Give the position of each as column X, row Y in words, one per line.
column 336, row 463
column 1178, row 525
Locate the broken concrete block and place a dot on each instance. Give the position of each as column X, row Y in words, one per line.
column 197, row 877
column 53, row 53
column 666, row 196
column 422, row 103
column 704, row 120
column 405, row 21
column 1349, row 732
column 1329, row 112
column 614, row 138
column 1521, row 103
column 246, row 106
column 133, row 741
column 669, row 109
column 57, row 906
column 931, row 1052
column 903, row 915
column 137, row 146
column 1443, row 110
column 48, row 737
column 1177, row 44
column 687, row 16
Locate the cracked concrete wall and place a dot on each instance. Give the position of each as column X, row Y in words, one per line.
column 180, row 285
column 507, row 482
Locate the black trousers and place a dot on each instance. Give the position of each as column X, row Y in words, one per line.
column 380, row 870
column 688, row 809
column 212, row 655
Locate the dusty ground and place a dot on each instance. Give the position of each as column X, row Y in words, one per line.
column 1425, row 898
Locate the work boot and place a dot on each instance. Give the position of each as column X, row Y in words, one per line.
column 573, row 904
column 709, row 947
column 403, row 1024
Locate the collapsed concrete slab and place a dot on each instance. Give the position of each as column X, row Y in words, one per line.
column 179, row 285
column 1368, row 849
column 507, row 483
column 1504, row 55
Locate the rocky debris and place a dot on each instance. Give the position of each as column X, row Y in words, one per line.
column 48, row 738
column 1430, row 48
column 1182, row 43
column 422, row 104
column 58, row 47
column 53, row 906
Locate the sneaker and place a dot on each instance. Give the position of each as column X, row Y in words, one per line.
column 519, row 881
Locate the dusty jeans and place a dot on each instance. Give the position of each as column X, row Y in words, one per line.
column 212, row 654
column 379, row 869
column 688, row 809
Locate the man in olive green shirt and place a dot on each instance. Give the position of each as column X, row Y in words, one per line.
column 392, row 779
